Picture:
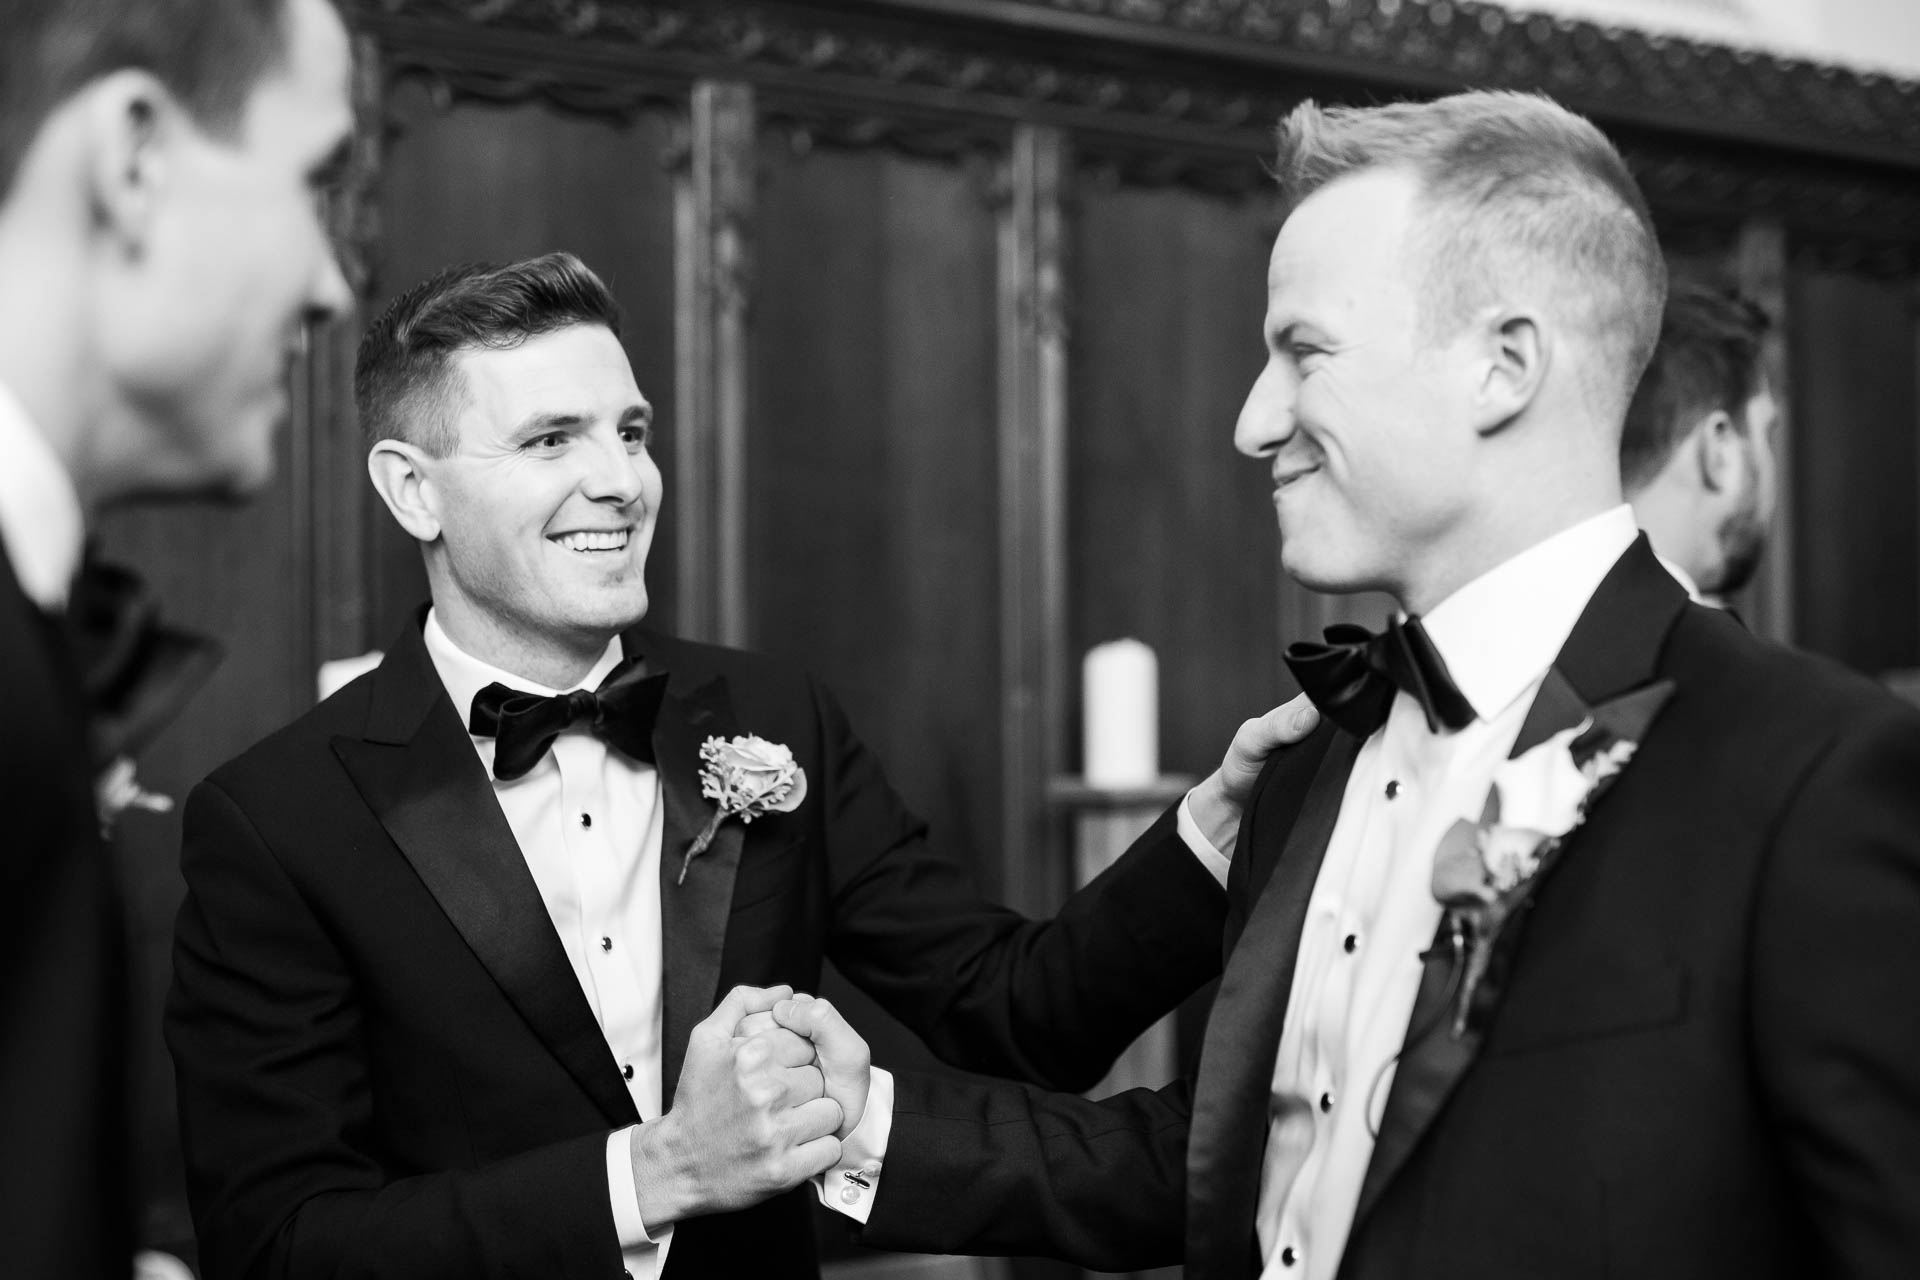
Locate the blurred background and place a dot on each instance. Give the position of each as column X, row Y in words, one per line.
column 947, row 308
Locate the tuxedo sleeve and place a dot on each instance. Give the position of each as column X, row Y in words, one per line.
column 1004, row 1169
column 1835, row 968
column 1050, row 1002
column 265, row 1024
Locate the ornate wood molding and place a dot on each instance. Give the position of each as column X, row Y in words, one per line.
column 974, row 49
column 1186, row 91
column 1616, row 74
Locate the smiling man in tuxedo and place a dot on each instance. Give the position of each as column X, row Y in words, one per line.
column 1581, row 939
column 163, row 165
column 445, row 976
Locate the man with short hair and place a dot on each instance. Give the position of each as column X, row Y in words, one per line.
column 445, row 976
column 1696, row 454
column 1580, row 938
column 161, row 251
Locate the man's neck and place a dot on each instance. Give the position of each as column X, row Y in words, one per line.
column 1449, row 566
column 45, row 347
column 539, row 660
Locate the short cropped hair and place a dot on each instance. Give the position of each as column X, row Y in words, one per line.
column 1515, row 187
column 1708, row 358
column 209, row 53
column 405, row 386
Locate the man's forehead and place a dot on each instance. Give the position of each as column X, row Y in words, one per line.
column 1344, row 235
column 578, row 364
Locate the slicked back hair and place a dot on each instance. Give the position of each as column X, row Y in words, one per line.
column 405, row 385
column 1515, row 190
column 1707, row 359
column 209, row 53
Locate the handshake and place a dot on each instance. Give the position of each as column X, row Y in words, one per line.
column 772, row 1082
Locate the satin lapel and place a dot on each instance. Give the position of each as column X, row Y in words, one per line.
column 1614, row 648
column 693, row 913
column 1229, row 1132
column 417, row 771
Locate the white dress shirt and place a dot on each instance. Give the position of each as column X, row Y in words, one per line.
column 41, row 524
column 1372, row 911
column 588, row 819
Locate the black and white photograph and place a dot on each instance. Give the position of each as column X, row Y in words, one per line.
column 959, row 639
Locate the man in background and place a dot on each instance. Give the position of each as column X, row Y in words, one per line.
column 1696, row 455
column 163, row 165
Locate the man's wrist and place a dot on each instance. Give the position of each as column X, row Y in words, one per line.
column 850, row 1185
column 661, row 1185
column 1216, row 816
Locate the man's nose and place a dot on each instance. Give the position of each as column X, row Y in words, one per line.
column 330, row 294
column 616, row 474
column 1266, row 419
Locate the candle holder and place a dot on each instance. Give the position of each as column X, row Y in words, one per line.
column 1106, row 820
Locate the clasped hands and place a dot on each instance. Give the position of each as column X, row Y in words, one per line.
column 772, row 1082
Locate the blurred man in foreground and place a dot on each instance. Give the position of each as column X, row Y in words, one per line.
column 162, row 164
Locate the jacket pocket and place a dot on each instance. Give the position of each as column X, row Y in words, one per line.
column 1613, row 1000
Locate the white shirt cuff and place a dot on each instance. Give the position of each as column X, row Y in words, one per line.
column 850, row 1186
column 642, row 1253
column 1212, row 859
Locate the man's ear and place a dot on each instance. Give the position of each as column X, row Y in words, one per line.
column 1515, row 353
column 132, row 125
column 1717, row 445
column 400, row 475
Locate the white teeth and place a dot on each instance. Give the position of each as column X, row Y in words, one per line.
column 585, row 541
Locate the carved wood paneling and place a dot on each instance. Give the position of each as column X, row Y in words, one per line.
column 1033, row 499
column 713, row 219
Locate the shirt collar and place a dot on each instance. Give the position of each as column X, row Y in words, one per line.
column 1500, row 632
column 1681, row 576
column 42, row 526
column 465, row 675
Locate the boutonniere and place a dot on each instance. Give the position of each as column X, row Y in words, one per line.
column 116, row 790
column 744, row 777
column 1485, row 873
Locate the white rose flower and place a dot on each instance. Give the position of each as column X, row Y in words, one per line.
column 744, row 777
column 1543, row 790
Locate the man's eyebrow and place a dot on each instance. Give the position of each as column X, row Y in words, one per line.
column 541, row 423
column 641, row 413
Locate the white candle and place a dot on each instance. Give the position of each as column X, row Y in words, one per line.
column 1120, row 692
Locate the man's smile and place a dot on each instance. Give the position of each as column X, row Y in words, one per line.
column 592, row 540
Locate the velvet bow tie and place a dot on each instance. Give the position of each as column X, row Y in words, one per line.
column 136, row 673
column 1353, row 676
column 620, row 713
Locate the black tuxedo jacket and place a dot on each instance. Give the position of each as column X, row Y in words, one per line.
column 65, row 1209
column 386, row 1066
column 1705, row 1061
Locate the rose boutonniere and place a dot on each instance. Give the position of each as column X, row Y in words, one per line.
column 116, row 790
column 744, row 777
column 1485, row 873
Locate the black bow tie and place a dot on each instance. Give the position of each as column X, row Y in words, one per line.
column 1352, row 677
column 620, row 713
column 136, row 673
